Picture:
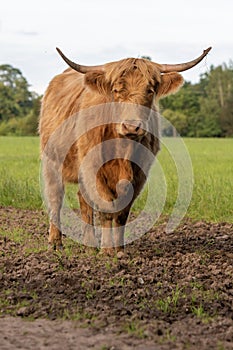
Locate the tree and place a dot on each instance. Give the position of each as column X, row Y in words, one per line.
column 186, row 106
column 226, row 117
column 207, row 105
column 146, row 58
column 19, row 107
column 178, row 123
column 15, row 97
column 216, row 103
column 30, row 122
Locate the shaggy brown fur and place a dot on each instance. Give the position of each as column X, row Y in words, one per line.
column 130, row 82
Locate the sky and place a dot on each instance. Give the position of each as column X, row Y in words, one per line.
column 99, row 31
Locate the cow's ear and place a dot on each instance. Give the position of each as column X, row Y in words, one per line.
column 96, row 81
column 170, row 83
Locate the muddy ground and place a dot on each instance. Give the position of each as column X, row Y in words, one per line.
column 169, row 291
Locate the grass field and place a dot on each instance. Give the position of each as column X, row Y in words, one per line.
column 168, row 291
column 212, row 162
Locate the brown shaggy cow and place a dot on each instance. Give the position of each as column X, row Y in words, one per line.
column 123, row 97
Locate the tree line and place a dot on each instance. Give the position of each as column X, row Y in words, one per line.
column 204, row 109
column 19, row 107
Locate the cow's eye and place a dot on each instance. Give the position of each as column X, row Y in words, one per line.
column 150, row 91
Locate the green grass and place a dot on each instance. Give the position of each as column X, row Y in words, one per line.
column 19, row 172
column 213, row 174
column 170, row 303
column 135, row 329
column 212, row 164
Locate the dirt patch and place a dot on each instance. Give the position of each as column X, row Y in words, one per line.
column 170, row 291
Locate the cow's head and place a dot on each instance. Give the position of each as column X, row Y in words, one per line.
column 138, row 82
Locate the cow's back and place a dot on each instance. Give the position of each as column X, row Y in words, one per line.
column 62, row 99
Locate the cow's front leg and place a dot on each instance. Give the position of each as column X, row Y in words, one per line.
column 119, row 229
column 107, row 246
column 53, row 196
column 87, row 214
column 55, row 236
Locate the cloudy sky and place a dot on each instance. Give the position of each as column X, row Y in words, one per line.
column 98, row 31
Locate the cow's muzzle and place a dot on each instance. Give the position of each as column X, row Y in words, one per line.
column 132, row 129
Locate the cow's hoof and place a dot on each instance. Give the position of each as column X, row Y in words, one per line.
column 91, row 250
column 55, row 247
column 108, row 251
column 91, row 243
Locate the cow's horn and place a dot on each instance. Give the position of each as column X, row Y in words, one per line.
column 78, row 67
column 166, row 68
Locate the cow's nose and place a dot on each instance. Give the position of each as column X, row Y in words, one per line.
column 132, row 128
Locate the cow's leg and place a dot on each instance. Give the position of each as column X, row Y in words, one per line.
column 53, row 196
column 55, row 199
column 107, row 246
column 55, row 236
column 87, row 214
column 119, row 229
